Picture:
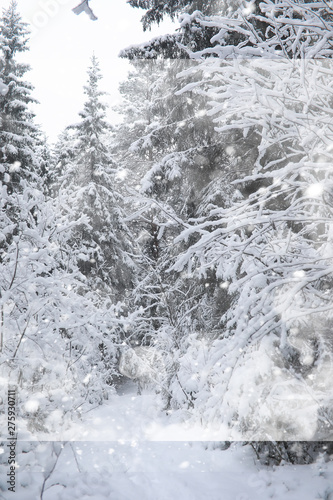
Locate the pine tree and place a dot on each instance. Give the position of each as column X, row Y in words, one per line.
column 19, row 136
column 61, row 154
column 102, row 245
column 20, row 143
column 48, row 310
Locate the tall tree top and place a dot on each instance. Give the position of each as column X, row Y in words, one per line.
column 94, row 110
column 89, row 133
column 14, row 32
column 19, row 135
column 94, row 76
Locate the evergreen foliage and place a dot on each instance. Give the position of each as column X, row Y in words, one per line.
column 102, row 245
column 155, row 10
column 19, row 135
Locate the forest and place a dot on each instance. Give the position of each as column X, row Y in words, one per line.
column 186, row 249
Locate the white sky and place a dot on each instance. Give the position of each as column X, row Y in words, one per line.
column 61, row 45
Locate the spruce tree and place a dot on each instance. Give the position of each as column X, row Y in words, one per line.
column 19, row 136
column 102, row 245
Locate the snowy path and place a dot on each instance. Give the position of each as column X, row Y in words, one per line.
column 162, row 471
column 129, row 417
column 125, row 416
column 114, row 455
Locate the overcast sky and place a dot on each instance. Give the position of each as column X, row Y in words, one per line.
column 61, row 46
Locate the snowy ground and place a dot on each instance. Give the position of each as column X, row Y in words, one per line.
column 113, row 456
column 162, row 471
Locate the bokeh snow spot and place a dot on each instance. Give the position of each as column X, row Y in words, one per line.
column 32, row 405
column 15, row 167
column 315, row 190
column 299, row 274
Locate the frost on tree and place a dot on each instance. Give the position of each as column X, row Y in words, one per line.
column 170, row 144
column 19, row 136
column 263, row 374
column 143, row 364
column 87, row 186
column 267, row 376
column 52, row 326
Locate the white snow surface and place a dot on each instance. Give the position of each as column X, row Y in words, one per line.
column 128, row 450
column 126, row 416
column 162, row 471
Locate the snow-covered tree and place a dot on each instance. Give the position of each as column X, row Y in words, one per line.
column 20, row 144
column 54, row 330
column 266, row 375
column 58, row 336
column 102, row 245
column 132, row 141
column 62, row 154
column 19, row 136
column 168, row 150
column 259, row 238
